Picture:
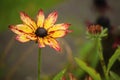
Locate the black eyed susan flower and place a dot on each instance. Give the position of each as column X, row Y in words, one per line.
column 44, row 31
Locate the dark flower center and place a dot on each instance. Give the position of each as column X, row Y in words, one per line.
column 41, row 32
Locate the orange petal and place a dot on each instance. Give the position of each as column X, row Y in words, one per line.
column 52, row 43
column 41, row 42
column 27, row 20
column 31, row 36
column 21, row 29
column 59, row 33
column 51, row 19
column 22, row 38
column 40, row 18
column 63, row 26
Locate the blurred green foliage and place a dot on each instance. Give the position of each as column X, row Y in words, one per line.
column 88, row 69
column 9, row 10
column 60, row 75
column 114, row 76
column 113, row 58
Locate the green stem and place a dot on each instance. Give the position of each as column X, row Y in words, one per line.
column 102, row 61
column 39, row 62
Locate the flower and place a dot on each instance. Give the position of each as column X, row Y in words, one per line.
column 71, row 77
column 88, row 77
column 96, row 31
column 44, row 31
column 116, row 43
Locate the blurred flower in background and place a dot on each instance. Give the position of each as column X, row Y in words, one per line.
column 70, row 75
column 94, row 29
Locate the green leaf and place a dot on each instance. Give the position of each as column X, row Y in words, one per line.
column 85, row 53
column 119, row 58
column 104, row 32
column 114, row 76
column 89, row 70
column 59, row 75
column 86, row 48
column 112, row 60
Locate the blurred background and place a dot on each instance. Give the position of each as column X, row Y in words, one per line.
column 18, row 61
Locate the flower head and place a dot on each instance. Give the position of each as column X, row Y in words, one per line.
column 44, row 31
column 96, row 31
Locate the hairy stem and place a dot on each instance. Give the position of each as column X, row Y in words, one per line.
column 102, row 61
